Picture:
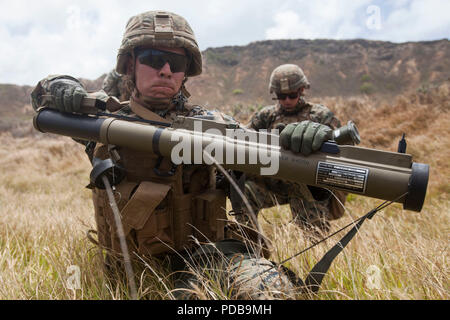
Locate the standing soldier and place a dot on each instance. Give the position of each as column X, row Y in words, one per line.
column 311, row 207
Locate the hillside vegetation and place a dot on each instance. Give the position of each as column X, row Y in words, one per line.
column 240, row 74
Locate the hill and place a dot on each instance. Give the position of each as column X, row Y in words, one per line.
column 334, row 68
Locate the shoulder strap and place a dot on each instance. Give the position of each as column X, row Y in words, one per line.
column 145, row 113
column 316, row 275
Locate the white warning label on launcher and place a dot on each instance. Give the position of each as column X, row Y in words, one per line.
column 353, row 179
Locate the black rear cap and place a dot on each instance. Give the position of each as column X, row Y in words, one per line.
column 417, row 188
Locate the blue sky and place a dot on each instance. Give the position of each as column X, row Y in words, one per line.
column 81, row 37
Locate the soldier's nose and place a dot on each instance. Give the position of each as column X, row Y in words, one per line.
column 165, row 71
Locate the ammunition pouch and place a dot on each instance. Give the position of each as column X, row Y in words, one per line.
column 156, row 221
column 149, row 214
column 209, row 215
column 106, row 227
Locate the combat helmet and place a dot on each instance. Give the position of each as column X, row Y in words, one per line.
column 159, row 28
column 287, row 78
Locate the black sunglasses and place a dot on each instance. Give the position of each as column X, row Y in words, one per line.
column 157, row 59
column 283, row 96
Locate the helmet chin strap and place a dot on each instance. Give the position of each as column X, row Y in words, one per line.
column 184, row 91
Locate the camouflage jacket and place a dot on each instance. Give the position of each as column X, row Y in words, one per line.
column 41, row 97
column 178, row 106
column 154, row 190
column 114, row 85
column 271, row 116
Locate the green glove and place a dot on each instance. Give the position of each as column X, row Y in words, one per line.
column 305, row 137
column 67, row 95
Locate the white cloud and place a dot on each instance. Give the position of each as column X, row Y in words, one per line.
column 60, row 39
column 318, row 19
column 420, row 20
column 403, row 20
column 81, row 37
column 287, row 25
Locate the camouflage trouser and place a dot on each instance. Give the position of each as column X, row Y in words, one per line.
column 229, row 269
column 308, row 213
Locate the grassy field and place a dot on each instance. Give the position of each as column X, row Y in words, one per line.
column 45, row 212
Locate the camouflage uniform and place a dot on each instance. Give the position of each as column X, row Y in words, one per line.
column 272, row 116
column 311, row 206
column 175, row 208
column 114, row 85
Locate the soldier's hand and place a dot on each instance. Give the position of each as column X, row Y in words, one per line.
column 67, row 95
column 280, row 127
column 305, row 137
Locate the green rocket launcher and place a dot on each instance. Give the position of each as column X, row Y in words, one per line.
column 373, row 173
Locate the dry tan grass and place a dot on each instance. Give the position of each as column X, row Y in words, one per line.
column 45, row 212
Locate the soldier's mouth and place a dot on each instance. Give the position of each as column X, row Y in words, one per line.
column 164, row 87
column 161, row 87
